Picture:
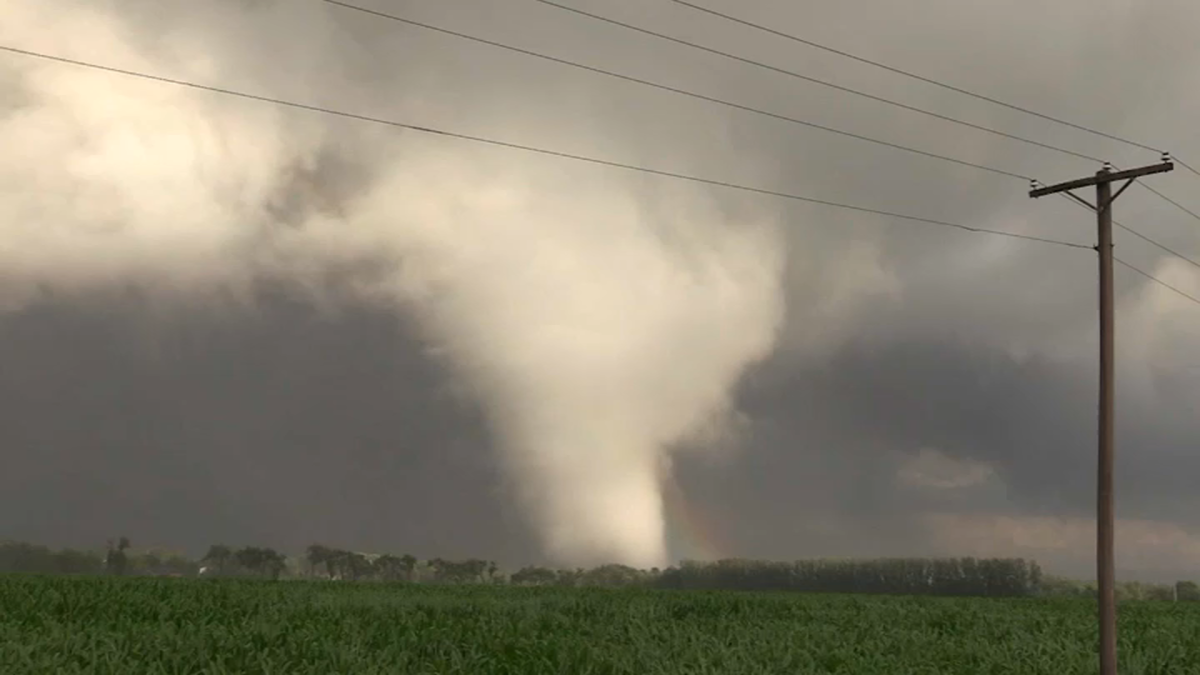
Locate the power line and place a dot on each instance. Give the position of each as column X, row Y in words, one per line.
column 1185, row 165
column 1149, row 276
column 1158, row 281
column 675, row 90
column 1147, row 239
column 537, row 150
column 944, row 85
column 834, row 86
column 697, row 179
column 1164, row 247
column 921, row 78
column 564, row 155
column 730, row 104
column 790, row 119
column 1174, row 203
column 806, row 78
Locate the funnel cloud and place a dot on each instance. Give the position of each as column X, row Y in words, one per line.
column 597, row 328
column 596, row 332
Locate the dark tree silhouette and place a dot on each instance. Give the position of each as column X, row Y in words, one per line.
column 116, row 562
column 219, row 556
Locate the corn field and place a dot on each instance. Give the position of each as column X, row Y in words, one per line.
column 129, row 626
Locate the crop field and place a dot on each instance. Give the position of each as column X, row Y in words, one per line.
column 142, row 625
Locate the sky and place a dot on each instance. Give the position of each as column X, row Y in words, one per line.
column 228, row 321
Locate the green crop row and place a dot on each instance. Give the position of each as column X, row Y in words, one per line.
column 146, row 625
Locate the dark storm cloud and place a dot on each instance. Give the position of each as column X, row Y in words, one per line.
column 830, row 442
column 1034, row 420
column 280, row 426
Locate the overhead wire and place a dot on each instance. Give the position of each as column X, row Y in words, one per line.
column 915, row 76
column 711, row 99
column 693, row 45
column 1162, row 246
column 1187, row 166
column 533, row 149
column 565, row 155
column 674, row 90
column 1158, row 281
column 948, row 87
column 1140, row 271
column 1153, row 241
column 806, row 78
column 1174, row 203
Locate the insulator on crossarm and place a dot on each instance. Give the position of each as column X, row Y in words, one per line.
column 1108, row 167
column 1166, row 157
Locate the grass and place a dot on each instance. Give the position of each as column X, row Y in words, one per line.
column 106, row 625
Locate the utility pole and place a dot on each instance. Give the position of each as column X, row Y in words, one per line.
column 1105, row 571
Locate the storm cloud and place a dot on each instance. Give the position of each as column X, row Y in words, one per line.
column 235, row 377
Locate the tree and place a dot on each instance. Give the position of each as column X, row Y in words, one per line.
column 537, row 576
column 341, row 564
column 148, row 563
column 116, row 561
column 410, row 565
column 261, row 561
column 473, row 569
column 176, row 564
column 438, row 568
column 219, row 556
column 272, row 563
column 612, row 575
column 388, row 568
column 318, row 556
column 18, row 556
column 250, row 559
column 568, row 577
column 68, row 561
column 356, row 565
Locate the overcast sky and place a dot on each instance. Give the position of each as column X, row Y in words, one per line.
column 928, row 391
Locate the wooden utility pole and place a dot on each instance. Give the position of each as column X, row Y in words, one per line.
column 1105, row 571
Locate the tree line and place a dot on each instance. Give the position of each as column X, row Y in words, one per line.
column 24, row 557
column 899, row 576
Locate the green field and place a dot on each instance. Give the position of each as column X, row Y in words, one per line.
column 144, row 625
